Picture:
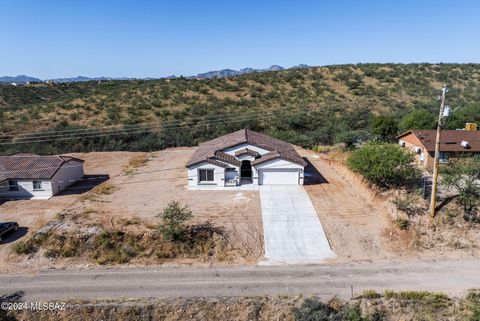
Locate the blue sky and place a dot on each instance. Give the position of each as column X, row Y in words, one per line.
column 141, row 38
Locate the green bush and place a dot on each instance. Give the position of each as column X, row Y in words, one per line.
column 173, row 218
column 385, row 128
column 24, row 247
column 418, row 119
column 385, row 165
column 402, row 223
column 314, row 310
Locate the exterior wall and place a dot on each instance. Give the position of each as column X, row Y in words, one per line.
column 218, row 174
column 25, row 190
column 277, row 164
column 412, row 143
column 67, row 175
column 232, row 150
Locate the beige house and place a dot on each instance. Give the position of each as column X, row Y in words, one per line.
column 453, row 144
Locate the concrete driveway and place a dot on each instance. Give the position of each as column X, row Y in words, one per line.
column 292, row 230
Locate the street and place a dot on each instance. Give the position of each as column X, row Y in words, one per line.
column 452, row 277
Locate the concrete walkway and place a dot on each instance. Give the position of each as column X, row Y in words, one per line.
column 292, row 230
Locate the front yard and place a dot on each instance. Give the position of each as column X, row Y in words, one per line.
column 122, row 213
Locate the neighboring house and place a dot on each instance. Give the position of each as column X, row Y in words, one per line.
column 453, row 144
column 245, row 157
column 37, row 177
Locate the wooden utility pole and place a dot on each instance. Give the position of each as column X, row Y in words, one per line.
column 437, row 153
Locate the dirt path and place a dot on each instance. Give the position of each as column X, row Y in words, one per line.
column 451, row 277
column 353, row 224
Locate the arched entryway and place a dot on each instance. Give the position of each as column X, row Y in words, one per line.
column 246, row 170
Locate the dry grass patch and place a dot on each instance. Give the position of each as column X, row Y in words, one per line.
column 136, row 162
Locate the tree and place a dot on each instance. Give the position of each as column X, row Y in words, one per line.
column 463, row 175
column 418, row 119
column 173, row 218
column 385, row 128
column 385, row 165
column 467, row 114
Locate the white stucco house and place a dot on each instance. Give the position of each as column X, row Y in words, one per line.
column 245, row 157
column 30, row 176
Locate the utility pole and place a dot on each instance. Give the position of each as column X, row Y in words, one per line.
column 437, row 153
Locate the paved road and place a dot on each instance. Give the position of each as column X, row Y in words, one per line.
column 323, row 280
column 292, row 230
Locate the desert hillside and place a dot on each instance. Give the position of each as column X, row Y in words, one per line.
column 318, row 105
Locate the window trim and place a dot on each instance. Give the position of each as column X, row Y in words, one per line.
column 207, row 170
column 13, row 186
column 37, row 189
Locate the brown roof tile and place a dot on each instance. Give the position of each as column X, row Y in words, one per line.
column 246, row 151
column 450, row 140
column 31, row 166
column 282, row 149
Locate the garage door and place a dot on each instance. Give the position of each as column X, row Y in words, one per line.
column 278, row 176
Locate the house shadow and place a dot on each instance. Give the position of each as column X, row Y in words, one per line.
column 87, row 183
column 311, row 174
column 13, row 236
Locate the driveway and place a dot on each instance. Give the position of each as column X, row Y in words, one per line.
column 292, row 230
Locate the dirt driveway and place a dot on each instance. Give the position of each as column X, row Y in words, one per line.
column 354, row 226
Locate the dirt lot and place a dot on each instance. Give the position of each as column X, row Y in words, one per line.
column 139, row 187
column 360, row 220
column 354, row 225
column 359, row 223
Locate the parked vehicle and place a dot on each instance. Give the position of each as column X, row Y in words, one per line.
column 6, row 228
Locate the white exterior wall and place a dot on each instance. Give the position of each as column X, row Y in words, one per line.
column 218, row 174
column 25, row 190
column 68, row 174
column 278, row 164
column 232, row 150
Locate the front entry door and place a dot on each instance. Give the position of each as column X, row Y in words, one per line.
column 246, row 169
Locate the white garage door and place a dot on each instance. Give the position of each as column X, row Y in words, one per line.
column 278, row 176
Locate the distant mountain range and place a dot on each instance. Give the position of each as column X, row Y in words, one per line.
column 22, row 79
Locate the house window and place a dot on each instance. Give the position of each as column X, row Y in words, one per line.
column 205, row 175
column 37, row 186
column 13, row 186
column 443, row 157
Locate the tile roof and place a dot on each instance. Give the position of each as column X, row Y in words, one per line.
column 227, row 158
column 278, row 148
column 31, row 166
column 450, row 140
column 246, row 151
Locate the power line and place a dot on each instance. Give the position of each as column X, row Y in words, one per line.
column 151, row 129
column 134, row 126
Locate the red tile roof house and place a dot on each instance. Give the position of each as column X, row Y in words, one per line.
column 453, row 144
column 30, row 176
column 245, row 157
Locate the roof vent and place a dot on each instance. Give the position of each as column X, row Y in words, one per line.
column 464, row 144
column 418, row 150
column 401, row 143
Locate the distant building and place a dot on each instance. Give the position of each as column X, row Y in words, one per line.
column 30, row 176
column 453, row 144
